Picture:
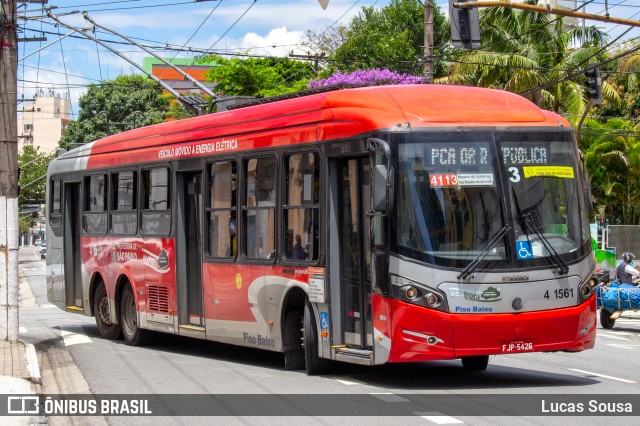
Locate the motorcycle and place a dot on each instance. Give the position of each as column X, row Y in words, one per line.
column 613, row 298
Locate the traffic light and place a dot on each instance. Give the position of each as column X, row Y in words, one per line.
column 594, row 84
column 465, row 26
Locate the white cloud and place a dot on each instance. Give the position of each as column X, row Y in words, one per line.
column 278, row 42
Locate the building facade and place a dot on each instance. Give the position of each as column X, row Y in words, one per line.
column 43, row 121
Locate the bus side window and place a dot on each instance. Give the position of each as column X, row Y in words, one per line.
column 55, row 209
column 301, row 208
column 94, row 217
column 221, row 210
column 123, row 202
column 156, row 206
column 259, row 207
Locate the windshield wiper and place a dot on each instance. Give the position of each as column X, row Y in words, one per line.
column 526, row 222
column 492, row 243
column 530, row 223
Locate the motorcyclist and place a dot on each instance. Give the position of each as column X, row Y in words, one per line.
column 625, row 271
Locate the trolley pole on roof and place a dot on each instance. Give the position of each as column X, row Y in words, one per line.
column 9, row 301
column 186, row 102
column 195, row 82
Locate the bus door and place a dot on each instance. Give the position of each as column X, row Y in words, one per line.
column 188, row 246
column 354, row 201
column 71, row 249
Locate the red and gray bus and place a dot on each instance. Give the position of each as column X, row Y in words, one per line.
column 367, row 225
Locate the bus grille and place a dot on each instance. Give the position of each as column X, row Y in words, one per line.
column 158, row 298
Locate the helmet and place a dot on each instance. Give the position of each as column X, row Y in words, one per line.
column 628, row 257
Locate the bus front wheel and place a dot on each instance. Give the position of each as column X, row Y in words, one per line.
column 315, row 365
column 133, row 335
column 107, row 328
column 475, row 363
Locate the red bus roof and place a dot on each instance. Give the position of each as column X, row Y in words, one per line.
column 334, row 115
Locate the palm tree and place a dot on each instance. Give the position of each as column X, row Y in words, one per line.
column 529, row 53
column 612, row 154
column 629, row 66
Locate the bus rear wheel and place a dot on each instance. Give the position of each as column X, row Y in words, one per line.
column 133, row 335
column 107, row 328
column 315, row 365
column 605, row 319
column 475, row 363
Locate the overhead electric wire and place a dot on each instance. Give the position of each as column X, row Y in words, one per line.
column 64, row 64
column 200, row 26
column 233, row 25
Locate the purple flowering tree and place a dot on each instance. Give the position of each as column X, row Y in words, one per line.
column 374, row 77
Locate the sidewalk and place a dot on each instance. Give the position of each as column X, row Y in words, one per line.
column 19, row 375
column 19, row 368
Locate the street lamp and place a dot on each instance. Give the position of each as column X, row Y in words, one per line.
column 104, row 111
column 134, row 117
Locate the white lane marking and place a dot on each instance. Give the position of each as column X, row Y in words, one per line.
column 620, row 333
column 71, row 338
column 48, row 306
column 23, row 330
column 439, row 418
column 347, row 382
column 388, row 397
column 618, row 346
column 610, row 336
column 601, row 375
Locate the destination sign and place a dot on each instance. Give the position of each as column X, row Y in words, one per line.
column 458, row 154
column 519, row 153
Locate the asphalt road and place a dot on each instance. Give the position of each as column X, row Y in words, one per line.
column 75, row 359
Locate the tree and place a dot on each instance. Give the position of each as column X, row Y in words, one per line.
column 118, row 105
column 612, row 154
column 629, row 66
column 258, row 76
column 33, row 171
column 532, row 52
column 367, row 77
column 391, row 37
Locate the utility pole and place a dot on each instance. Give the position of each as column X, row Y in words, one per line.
column 428, row 41
column 9, row 301
column 315, row 58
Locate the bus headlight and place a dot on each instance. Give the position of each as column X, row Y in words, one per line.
column 587, row 288
column 432, row 299
column 411, row 292
column 417, row 293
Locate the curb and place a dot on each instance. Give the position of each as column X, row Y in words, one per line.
column 32, row 364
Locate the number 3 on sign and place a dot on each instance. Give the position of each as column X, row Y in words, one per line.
column 515, row 174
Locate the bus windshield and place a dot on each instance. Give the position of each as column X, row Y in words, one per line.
column 458, row 194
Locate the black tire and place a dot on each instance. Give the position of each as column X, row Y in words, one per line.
column 106, row 327
column 133, row 335
column 475, row 363
column 314, row 364
column 292, row 340
column 605, row 319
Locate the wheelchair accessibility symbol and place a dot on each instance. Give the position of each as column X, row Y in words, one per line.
column 523, row 248
column 324, row 320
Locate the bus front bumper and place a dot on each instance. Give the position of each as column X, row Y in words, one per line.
column 420, row 334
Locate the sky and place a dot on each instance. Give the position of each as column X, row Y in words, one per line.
column 256, row 27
